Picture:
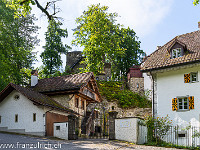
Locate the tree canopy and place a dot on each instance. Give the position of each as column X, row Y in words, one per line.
column 17, row 39
column 106, row 41
column 196, row 2
column 97, row 32
column 51, row 57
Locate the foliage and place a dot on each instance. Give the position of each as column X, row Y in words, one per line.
column 51, row 57
column 196, row 2
column 113, row 90
column 23, row 7
column 98, row 33
column 18, row 37
column 158, row 126
column 132, row 54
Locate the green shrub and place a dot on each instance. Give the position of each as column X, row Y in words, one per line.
column 116, row 91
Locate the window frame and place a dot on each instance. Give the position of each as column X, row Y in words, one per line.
column 16, row 118
column 176, row 51
column 182, row 103
column 76, row 102
column 34, row 117
column 192, row 73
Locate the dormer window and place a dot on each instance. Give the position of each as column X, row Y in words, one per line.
column 176, row 53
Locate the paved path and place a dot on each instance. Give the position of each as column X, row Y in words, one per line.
column 21, row 142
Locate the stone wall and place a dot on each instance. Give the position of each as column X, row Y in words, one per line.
column 136, row 84
column 122, row 113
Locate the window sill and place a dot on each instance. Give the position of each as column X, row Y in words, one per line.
column 183, row 110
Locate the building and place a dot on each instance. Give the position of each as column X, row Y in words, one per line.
column 34, row 110
column 175, row 72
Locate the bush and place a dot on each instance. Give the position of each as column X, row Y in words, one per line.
column 113, row 91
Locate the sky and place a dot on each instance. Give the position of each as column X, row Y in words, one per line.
column 155, row 21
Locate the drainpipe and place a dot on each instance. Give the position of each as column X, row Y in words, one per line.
column 153, row 90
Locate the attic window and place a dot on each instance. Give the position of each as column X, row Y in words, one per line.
column 16, row 97
column 176, row 53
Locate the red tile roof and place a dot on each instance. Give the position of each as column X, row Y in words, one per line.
column 63, row 83
column 161, row 58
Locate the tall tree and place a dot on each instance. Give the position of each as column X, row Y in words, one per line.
column 132, row 55
column 97, row 32
column 51, row 57
column 196, row 2
column 17, row 40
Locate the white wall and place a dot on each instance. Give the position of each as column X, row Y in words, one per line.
column 25, row 109
column 63, row 132
column 128, row 130
column 170, row 84
column 147, row 85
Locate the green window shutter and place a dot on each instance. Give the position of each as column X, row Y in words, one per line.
column 191, row 102
column 174, row 104
column 187, row 78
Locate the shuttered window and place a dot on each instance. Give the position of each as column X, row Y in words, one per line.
column 191, row 77
column 183, row 103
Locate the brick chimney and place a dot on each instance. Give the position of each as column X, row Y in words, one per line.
column 199, row 25
column 34, row 77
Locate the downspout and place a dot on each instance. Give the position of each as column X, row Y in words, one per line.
column 153, row 98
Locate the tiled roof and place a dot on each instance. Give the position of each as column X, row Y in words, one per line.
column 35, row 97
column 63, row 83
column 161, row 57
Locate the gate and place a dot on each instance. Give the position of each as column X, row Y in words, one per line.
column 96, row 124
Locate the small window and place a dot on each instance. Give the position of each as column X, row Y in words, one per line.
column 16, row 97
column 176, row 53
column 181, row 135
column 82, row 104
column 76, row 102
column 57, row 127
column 113, row 107
column 194, row 76
column 0, row 119
column 191, row 77
column 16, row 117
column 34, row 117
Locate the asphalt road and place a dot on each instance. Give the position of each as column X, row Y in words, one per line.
column 21, row 142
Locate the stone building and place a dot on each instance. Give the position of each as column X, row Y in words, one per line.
column 74, row 59
column 135, row 79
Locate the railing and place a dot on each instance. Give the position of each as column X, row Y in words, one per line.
column 89, row 93
column 181, row 136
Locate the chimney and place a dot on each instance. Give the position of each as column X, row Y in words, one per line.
column 199, row 25
column 34, row 78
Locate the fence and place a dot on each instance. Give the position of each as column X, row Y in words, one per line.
column 178, row 135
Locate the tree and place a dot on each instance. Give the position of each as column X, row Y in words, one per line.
column 51, row 57
column 196, row 2
column 132, row 54
column 17, row 40
column 23, row 7
column 97, row 32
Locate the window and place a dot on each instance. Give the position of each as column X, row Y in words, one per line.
column 34, row 117
column 16, row 97
column 194, row 76
column 183, row 103
column 16, row 117
column 76, row 102
column 82, row 104
column 0, row 119
column 57, row 127
column 176, row 53
column 191, row 77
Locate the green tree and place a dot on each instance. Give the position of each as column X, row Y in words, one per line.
column 51, row 57
column 17, row 39
column 196, row 2
column 132, row 55
column 23, row 7
column 98, row 33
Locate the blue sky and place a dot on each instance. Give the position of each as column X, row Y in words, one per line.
column 154, row 21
